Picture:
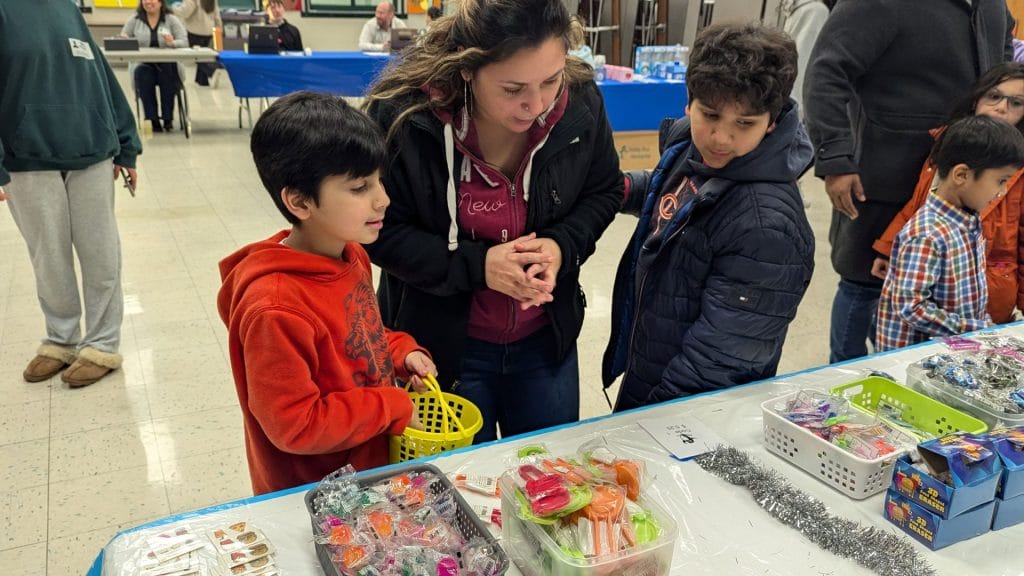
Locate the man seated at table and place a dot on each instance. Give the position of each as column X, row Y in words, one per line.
column 376, row 34
column 288, row 37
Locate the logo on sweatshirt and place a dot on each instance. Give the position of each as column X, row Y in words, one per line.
column 365, row 344
column 474, row 207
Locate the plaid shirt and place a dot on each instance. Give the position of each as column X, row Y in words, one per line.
column 936, row 284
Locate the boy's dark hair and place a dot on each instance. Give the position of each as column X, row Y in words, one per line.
column 305, row 137
column 434, row 12
column 979, row 142
column 744, row 63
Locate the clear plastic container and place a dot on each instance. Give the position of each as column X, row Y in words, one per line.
column 536, row 554
column 950, row 395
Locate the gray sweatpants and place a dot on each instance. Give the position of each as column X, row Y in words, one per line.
column 55, row 212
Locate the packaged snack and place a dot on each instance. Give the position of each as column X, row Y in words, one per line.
column 484, row 485
column 226, row 544
column 174, row 542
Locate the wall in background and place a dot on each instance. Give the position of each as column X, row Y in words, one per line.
column 318, row 33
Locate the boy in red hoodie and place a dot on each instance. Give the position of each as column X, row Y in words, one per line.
column 314, row 367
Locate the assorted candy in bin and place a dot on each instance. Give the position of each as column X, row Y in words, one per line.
column 405, row 524
column 610, row 468
column 601, row 526
column 869, row 442
column 815, row 411
column 481, row 558
column 356, row 555
column 961, row 343
column 380, row 521
column 588, row 504
column 547, row 496
column 953, row 369
column 993, row 377
column 1001, row 342
column 828, row 417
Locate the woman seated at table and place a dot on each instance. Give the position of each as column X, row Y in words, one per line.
column 154, row 26
column 289, row 38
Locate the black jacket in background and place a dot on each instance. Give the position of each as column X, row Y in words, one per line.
column 710, row 307
column 291, row 40
column 882, row 73
column 425, row 289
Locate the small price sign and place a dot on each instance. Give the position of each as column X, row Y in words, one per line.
column 683, row 436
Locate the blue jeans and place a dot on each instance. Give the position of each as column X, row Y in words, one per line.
column 854, row 317
column 519, row 386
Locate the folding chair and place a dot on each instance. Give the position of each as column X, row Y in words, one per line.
column 180, row 104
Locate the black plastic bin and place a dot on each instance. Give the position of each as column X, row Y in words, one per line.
column 466, row 522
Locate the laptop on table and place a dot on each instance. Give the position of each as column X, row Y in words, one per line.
column 264, row 40
column 120, row 44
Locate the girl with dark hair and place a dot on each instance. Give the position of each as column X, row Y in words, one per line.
column 154, row 26
column 201, row 17
column 998, row 94
column 290, row 39
column 502, row 176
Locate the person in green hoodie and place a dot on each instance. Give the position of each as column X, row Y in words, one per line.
column 66, row 131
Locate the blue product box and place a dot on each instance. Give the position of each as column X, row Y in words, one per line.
column 1009, row 445
column 1008, row 512
column 931, row 529
column 969, row 466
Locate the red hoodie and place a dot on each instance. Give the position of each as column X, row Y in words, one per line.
column 314, row 366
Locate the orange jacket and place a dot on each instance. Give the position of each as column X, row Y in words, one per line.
column 314, row 366
column 1000, row 224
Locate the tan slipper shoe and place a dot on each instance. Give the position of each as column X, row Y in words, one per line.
column 90, row 366
column 49, row 361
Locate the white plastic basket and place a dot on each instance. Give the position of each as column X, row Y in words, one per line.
column 842, row 470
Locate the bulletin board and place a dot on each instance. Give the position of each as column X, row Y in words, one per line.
column 1017, row 9
column 420, row 6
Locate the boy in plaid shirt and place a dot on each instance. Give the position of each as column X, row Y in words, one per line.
column 936, row 281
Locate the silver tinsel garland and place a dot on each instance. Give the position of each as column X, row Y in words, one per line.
column 881, row 551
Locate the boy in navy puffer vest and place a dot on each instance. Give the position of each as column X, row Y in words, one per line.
column 723, row 252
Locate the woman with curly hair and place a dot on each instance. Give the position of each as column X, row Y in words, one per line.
column 502, row 177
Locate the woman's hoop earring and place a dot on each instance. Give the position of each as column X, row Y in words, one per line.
column 467, row 96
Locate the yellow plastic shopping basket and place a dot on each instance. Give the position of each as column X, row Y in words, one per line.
column 449, row 422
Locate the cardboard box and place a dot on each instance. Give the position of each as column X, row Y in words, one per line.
column 1008, row 513
column 962, row 473
column 637, row 150
column 1009, row 446
column 931, row 529
column 932, row 494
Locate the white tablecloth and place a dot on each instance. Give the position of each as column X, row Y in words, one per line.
column 721, row 529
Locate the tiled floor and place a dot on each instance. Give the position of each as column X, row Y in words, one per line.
column 163, row 435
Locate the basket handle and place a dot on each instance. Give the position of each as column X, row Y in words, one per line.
column 848, row 390
column 448, row 416
column 456, row 423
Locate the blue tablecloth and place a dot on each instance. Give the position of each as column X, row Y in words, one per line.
column 640, row 105
column 271, row 75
